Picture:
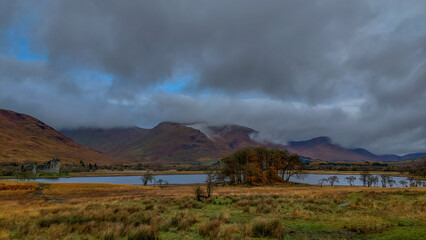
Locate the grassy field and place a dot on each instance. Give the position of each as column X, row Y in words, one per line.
column 103, row 211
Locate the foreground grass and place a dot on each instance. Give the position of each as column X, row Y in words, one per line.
column 103, row 211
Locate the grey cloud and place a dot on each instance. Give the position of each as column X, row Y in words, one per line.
column 280, row 48
column 285, row 68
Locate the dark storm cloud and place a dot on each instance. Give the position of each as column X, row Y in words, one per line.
column 352, row 70
column 288, row 49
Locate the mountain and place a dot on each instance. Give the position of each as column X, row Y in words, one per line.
column 178, row 143
column 25, row 138
column 172, row 142
column 165, row 143
column 322, row 148
column 414, row 156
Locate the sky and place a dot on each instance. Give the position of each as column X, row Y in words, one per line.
column 293, row 70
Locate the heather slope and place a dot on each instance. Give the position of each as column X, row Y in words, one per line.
column 24, row 138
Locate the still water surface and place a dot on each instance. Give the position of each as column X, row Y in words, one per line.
column 200, row 178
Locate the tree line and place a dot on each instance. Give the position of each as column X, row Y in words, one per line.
column 369, row 180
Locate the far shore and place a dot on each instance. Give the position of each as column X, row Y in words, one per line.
column 103, row 173
column 109, row 173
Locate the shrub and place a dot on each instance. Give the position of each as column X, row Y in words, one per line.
column 264, row 209
column 182, row 220
column 246, row 209
column 70, row 220
column 230, row 232
column 149, row 207
column 225, row 217
column 267, row 228
column 143, row 232
column 366, row 227
column 210, row 228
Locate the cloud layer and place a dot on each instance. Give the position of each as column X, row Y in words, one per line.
column 351, row 70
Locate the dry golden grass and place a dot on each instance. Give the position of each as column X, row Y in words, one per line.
column 108, row 211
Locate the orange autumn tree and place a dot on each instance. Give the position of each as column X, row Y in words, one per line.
column 260, row 165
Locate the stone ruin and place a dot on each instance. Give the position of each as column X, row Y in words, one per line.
column 47, row 167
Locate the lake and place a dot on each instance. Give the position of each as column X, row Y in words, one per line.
column 199, row 178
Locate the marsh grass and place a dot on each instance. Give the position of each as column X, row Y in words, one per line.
column 234, row 213
column 271, row 228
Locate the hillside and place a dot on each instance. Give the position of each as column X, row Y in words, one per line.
column 113, row 142
column 24, row 138
column 174, row 143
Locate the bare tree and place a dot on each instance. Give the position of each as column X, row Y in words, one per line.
column 364, row 177
column 403, row 183
column 161, row 183
column 210, row 181
column 199, row 193
column 350, row 180
column 384, row 180
column 374, row 180
column 411, row 181
column 322, row 181
column 147, row 177
column 418, row 183
column 391, row 182
column 332, row 180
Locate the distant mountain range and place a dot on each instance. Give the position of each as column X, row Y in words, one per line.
column 179, row 143
column 24, row 138
column 166, row 143
column 323, row 148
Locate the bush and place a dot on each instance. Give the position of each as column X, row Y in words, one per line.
column 225, row 217
column 267, row 228
column 143, row 232
column 210, row 228
column 182, row 220
column 366, row 227
column 264, row 209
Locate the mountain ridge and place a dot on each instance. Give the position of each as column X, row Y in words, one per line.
column 24, row 138
column 221, row 140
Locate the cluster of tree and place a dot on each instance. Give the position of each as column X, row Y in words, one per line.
column 259, row 165
column 369, row 180
column 418, row 170
column 78, row 167
column 149, row 178
column 9, row 169
column 331, row 180
column 155, row 167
